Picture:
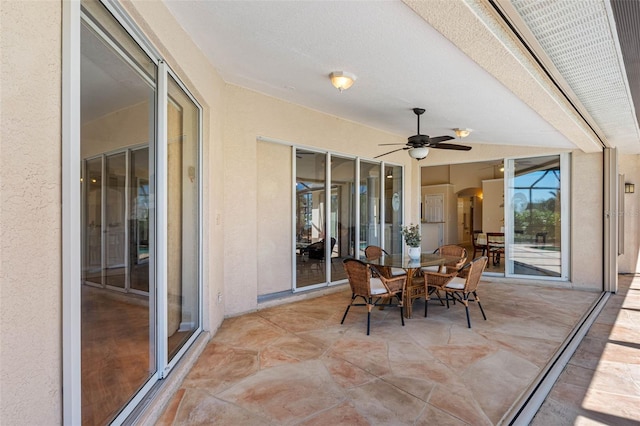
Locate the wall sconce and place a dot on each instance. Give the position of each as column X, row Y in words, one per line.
column 629, row 188
column 342, row 80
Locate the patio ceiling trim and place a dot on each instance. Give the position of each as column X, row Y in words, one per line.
column 482, row 34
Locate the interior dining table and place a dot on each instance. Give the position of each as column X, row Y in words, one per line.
column 411, row 266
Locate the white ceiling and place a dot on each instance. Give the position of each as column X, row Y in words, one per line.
column 286, row 49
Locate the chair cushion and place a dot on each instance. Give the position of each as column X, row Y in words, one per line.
column 456, row 284
column 398, row 271
column 434, row 268
column 377, row 287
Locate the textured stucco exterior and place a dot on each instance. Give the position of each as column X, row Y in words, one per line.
column 629, row 261
column 30, row 214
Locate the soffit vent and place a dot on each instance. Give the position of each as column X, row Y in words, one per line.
column 577, row 37
column 627, row 16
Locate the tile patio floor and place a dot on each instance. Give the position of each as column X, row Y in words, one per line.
column 601, row 382
column 295, row 364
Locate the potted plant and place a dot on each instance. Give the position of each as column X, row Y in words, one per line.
column 412, row 237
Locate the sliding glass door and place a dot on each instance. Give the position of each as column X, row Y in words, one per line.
column 337, row 212
column 369, row 199
column 393, row 211
column 118, row 336
column 140, row 292
column 342, row 219
column 311, row 224
column 537, row 222
column 183, row 134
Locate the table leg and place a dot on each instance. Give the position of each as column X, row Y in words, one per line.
column 407, row 297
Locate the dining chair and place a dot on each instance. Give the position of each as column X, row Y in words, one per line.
column 479, row 243
column 495, row 246
column 374, row 252
column 372, row 289
column 461, row 288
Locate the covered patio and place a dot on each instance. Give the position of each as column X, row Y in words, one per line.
column 295, row 364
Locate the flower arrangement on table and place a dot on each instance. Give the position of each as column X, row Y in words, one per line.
column 412, row 235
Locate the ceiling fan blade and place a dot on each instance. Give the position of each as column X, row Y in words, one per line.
column 395, row 150
column 439, row 139
column 387, row 144
column 451, row 146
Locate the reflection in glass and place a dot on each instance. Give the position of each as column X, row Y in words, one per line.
column 139, row 220
column 369, row 205
column 310, row 218
column 114, row 218
column 535, row 199
column 393, row 208
column 182, row 218
column 117, row 112
column 343, row 219
column 92, row 179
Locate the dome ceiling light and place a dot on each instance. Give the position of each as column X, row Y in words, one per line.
column 342, row 80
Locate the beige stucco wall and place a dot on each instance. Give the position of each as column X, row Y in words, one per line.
column 629, row 261
column 274, row 251
column 586, row 220
column 30, row 214
column 249, row 115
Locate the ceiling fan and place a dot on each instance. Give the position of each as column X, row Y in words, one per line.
column 418, row 145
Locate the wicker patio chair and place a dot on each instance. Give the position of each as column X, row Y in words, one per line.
column 374, row 252
column 448, row 268
column 461, row 288
column 372, row 289
column 449, row 250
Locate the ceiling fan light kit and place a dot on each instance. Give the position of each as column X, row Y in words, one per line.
column 342, row 80
column 419, row 153
column 418, row 145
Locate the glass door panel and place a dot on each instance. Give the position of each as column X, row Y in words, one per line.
column 117, row 119
column 183, row 315
column 343, row 218
column 92, row 179
column 114, row 231
column 139, row 220
column 310, row 218
column 393, row 212
column 369, row 193
column 535, row 196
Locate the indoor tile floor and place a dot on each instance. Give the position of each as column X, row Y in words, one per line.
column 296, row 364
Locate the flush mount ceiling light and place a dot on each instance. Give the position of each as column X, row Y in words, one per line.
column 419, row 153
column 462, row 133
column 342, row 80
